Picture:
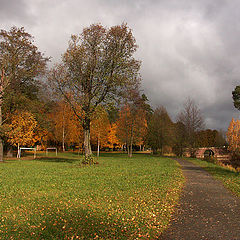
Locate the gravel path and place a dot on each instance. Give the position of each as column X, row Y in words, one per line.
column 207, row 209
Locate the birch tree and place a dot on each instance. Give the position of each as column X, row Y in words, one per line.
column 97, row 68
column 100, row 128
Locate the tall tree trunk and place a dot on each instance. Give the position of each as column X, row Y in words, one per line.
column 131, row 146
column 1, row 141
column 63, row 140
column 128, row 149
column 2, row 84
column 130, row 152
column 18, row 151
column 63, row 129
column 87, row 144
column 98, row 145
column 131, row 142
column 154, row 150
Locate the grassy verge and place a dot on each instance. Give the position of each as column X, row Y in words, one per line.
column 120, row 198
column 229, row 177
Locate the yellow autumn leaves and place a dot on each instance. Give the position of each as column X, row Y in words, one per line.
column 24, row 130
column 233, row 136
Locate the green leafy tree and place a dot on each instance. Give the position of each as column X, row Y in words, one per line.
column 20, row 65
column 160, row 130
column 236, row 97
column 97, row 68
column 180, row 139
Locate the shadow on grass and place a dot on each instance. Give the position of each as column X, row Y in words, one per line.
column 214, row 168
column 63, row 224
column 58, row 159
column 221, row 171
column 121, row 154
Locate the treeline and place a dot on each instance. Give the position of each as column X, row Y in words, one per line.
column 233, row 133
column 113, row 128
column 233, row 138
column 166, row 136
column 132, row 126
column 91, row 98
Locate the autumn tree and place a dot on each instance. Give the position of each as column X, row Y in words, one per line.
column 233, row 136
column 180, row 139
column 123, row 126
column 113, row 140
column 236, row 97
column 24, row 130
column 20, row 65
column 132, row 121
column 130, row 127
column 160, row 130
column 98, row 66
column 192, row 120
column 146, row 106
column 100, row 127
column 65, row 126
column 209, row 138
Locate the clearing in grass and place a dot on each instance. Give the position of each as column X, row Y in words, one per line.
column 55, row 198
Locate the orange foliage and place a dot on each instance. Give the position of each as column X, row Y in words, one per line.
column 24, row 130
column 233, row 136
column 131, row 126
column 113, row 141
column 100, row 127
column 66, row 126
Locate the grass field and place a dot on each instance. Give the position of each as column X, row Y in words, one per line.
column 230, row 178
column 56, row 198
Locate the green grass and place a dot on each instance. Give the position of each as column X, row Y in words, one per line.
column 120, row 198
column 229, row 177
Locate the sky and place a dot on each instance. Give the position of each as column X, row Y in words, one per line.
column 188, row 48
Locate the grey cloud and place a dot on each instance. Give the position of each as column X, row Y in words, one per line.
column 188, row 48
column 15, row 11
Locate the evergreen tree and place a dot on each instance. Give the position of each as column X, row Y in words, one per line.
column 236, row 97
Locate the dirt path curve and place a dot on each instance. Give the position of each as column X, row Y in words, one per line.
column 207, row 209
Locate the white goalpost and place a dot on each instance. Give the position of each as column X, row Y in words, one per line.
column 52, row 148
column 25, row 148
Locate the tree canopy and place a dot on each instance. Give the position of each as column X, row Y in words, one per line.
column 160, row 130
column 236, row 97
column 97, row 68
column 20, row 66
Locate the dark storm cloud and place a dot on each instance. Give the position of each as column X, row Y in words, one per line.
column 188, row 48
column 14, row 10
column 196, row 54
